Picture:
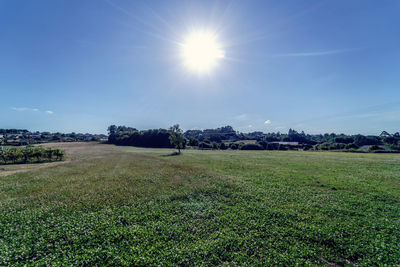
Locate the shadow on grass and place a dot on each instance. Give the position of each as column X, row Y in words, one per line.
column 171, row 155
column 29, row 162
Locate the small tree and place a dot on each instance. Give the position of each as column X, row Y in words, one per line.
column 27, row 154
column 59, row 154
column 18, row 154
column 2, row 154
column 11, row 155
column 223, row 146
column 176, row 137
column 38, row 153
column 215, row 145
column 193, row 141
column 49, row 153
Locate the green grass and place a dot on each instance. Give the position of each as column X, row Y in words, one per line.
column 130, row 206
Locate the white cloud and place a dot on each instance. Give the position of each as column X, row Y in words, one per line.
column 25, row 109
column 267, row 122
column 250, row 126
column 241, row 117
column 317, row 53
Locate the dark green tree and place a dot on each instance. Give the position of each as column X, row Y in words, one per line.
column 2, row 152
column 176, row 137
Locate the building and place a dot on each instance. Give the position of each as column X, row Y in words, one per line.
column 287, row 143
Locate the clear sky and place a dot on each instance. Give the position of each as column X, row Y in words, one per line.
column 317, row 66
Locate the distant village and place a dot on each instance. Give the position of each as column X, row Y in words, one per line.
column 18, row 137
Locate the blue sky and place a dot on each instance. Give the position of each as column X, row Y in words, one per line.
column 317, row 66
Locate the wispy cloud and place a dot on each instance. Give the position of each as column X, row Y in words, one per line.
column 25, row 109
column 241, row 117
column 267, row 122
column 316, row 53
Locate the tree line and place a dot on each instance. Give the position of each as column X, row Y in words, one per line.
column 30, row 155
column 227, row 138
column 127, row 136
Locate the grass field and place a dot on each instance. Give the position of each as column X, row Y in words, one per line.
column 132, row 206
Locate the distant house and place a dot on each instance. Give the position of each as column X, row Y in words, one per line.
column 287, row 143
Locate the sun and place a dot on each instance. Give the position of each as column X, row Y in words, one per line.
column 201, row 51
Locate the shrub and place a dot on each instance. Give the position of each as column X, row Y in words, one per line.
column 351, row 146
column 27, row 153
column 59, row 154
column 324, row 146
column 49, row 153
column 233, row 146
column 215, row 145
column 251, row 147
column 11, row 154
column 263, row 144
column 204, row 145
column 222, row 146
column 38, row 153
column 30, row 154
column 272, row 146
column 193, row 141
column 374, row 148
column 282, row 147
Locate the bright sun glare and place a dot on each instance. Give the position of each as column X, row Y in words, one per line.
column 201, row 51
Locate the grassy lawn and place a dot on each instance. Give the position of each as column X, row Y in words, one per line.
column 131, row 206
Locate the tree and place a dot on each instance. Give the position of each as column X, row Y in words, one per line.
column 2, row 154
column 193, row 141
column 176, row 137
column 27, row 154
column 38, row 153
column 112, row 129
column 59, row 154
column 49, row 153
column 214, row 145
column 223, row 146
column 11, row 155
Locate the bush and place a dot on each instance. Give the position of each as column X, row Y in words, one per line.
column 263, row 144
column 324, row 146
column 31, row 154
column 215, row 145
column 272, row 146
column 204, row 145
column 351, row 146
column 222, row 146
column 251, row 147
column 283, row 147
column 337, row 146
column 233, row 146
column 374, row 148
column 193, row 141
